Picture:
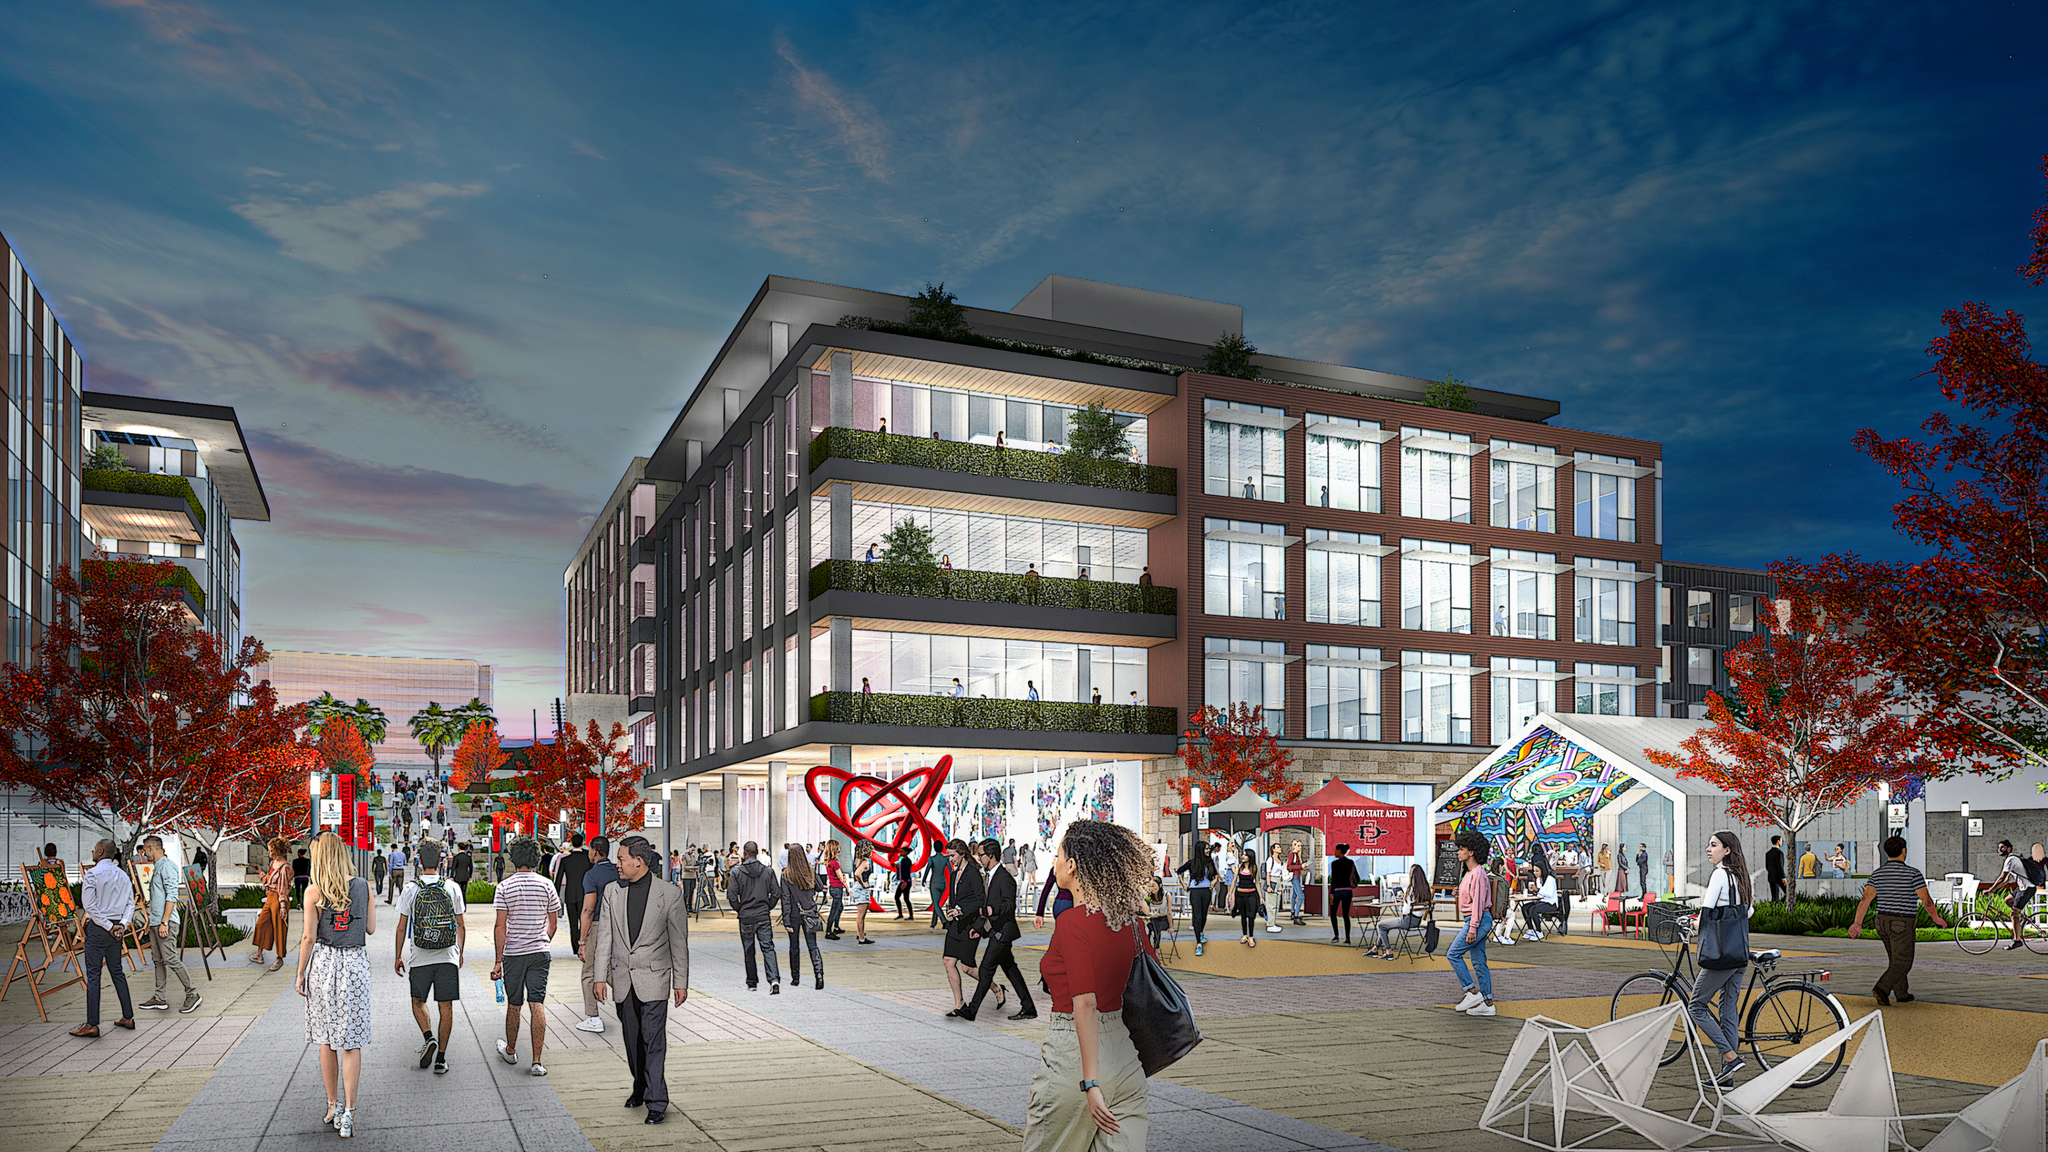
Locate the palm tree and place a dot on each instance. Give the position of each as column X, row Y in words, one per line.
column 369, row 720
column 437, row 728
column 323, row 708
column 474, row 712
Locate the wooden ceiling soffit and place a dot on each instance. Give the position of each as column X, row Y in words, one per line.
column 1004, row 505
column 938, row 374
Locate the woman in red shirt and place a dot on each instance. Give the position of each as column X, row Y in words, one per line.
column 1088, row 1094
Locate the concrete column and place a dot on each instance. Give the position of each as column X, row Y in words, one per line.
column 842, row 520
column 842, row 654
column 841, row 757
column 842, row 390
column 730, row 802
column 778, row 802
column 668, row 824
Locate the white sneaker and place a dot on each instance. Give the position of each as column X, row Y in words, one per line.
column 508, row 1054
column 594, row 1024
column 1470, row 999
column 1272, row 927
column 1480, row 1009
column 539, row 1070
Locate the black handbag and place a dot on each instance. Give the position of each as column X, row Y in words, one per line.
column 1724, row 937
column 1431, row 937
column 1156, row 1012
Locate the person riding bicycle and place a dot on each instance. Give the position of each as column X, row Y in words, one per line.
column 2013, row 877
column 1728, row 888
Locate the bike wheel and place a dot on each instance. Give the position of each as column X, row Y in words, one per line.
column 1655, row 990
column 2035, row 933
column 1789, row 1019
column 1969, row 922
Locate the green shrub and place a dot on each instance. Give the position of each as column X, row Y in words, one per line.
column 1450, row 393
column 1231, row 355
column 1011, row 715
column 937, row 313
column 1822, row 916
column 144, row 483
column 247, row 896
column 990, row 587
column 988, row 460
column 480, row 892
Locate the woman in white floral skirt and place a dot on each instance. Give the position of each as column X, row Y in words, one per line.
column 334, row 974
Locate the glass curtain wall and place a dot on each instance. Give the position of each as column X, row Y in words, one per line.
column 1436, row 483
column 1604, row 507
column 1343, row 472
column 1243, row 460
column 1436, row 586
column 990, row 542
column 1343, row 586
column 1243, row 577
column 1436, row 703
column 923, row 411
column 1606, row 606
column 918, row 664
column 1229, row 677
column 1343, row 693
column 1524, row 494
column 1518, row 698
column 1524, row 599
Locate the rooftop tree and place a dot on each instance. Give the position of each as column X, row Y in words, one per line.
column 1095, row 433
column 1231, row 355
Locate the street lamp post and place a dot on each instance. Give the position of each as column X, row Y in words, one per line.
column 1964, row 810
column 313, row 801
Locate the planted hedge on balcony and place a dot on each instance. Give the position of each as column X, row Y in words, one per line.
column 174, row 575
column 989, row 587
column 143, row 483
column 988, row 460
column 1010, row 715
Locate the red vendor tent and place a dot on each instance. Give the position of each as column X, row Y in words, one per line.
column 1371, row 828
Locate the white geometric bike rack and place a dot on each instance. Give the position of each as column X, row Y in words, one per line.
column 1565, row 1087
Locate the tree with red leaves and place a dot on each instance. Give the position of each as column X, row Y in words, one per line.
column 343, row 752
column 266, row 799
column 1224, row 751
column 555, row 772
column 476, row 757
column 132, row 719
column 1961, row 632
column 1807, row 730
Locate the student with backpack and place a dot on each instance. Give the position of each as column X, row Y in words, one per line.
column 430, row 919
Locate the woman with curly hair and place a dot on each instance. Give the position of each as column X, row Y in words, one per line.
column 1089, row 1090
column 334, row 974
column 1475, row 912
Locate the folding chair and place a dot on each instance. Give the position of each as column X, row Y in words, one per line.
column 1602, row 917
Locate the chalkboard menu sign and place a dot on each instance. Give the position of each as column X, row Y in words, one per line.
column 1448, row 871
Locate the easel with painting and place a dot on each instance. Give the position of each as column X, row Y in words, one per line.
column 196, row 925
column 55, row 919
column 139, row 928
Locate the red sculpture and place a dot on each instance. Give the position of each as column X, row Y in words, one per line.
column 889, row 814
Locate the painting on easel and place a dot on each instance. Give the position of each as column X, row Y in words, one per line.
column 54, row 920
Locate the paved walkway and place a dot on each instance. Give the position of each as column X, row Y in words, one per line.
column 268, row 1095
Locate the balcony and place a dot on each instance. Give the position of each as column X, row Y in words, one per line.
column 988, row 460
column 991, row 587
column 999, row 715
column 190, row 595
column 160, row 491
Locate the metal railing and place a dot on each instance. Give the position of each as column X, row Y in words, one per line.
column 981, row 712
column 991, row 587
column 989, row 460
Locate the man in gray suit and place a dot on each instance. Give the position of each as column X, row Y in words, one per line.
column 643, row 952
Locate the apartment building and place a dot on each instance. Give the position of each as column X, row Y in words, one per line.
column 190, row 477
column 1703, row 611
column 44, row 376
column 609, row 589
column 1392, row 582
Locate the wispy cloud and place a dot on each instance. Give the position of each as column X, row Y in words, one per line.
column 855, row 128
column 349, row 235
column 583, row 149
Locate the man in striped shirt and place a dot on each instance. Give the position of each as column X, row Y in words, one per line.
column 1899, row 890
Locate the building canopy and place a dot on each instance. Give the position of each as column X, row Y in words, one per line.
column 1344, row 816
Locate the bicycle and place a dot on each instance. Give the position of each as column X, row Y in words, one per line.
column 1989, row 913
column 1793, row 1011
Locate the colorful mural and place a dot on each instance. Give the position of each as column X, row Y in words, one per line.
column 1544, row 789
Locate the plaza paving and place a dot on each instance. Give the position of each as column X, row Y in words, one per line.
column 1307, row 1046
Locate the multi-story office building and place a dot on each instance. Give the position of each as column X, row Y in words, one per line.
column 400, row 685
column 43, row 456
column 191, row 478
column 1702, row 612
column 609, row 593
column 1393, row 583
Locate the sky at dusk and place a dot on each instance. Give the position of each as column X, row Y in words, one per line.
column 455, row 264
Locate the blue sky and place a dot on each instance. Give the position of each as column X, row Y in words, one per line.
column 455, row 263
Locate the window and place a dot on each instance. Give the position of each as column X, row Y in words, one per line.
column 1436, row 698
column 1524, row 594
column 1524, row 491
column 1604, row 505
column 1247, row 672
column 1243, row 459
column 919, row 664
column 1522, row 687
column 1604, row 689
column 1343, row 693
column 1605, row 606
column 1436, row 475
column 1699, row 608
column 1343, row 471
column 1343, row 580
column 1700, row 664
column 1245, row 574
column 1436, row 586
column 1742, row 613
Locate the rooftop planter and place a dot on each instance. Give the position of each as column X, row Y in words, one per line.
column 1000, row 715
column 989, row 587
column 147, row 483
column 988, row 460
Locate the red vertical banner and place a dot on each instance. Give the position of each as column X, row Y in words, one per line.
column 364, row 829
column 345, row 791
column 497, row 834
column 593, row 808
